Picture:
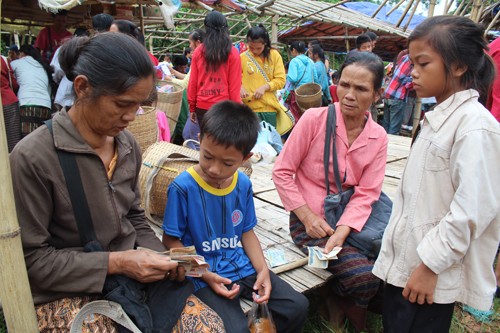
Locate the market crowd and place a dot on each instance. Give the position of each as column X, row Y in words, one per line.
column 68, row 99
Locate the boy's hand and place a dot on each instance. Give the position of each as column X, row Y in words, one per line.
column 262, row 287
column 421, row 285
column 218, row 285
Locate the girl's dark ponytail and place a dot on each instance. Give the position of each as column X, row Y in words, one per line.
column 217, row 42
column 485, row 77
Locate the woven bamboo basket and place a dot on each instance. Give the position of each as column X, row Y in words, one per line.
column 161, row 163
column 145, row 128
column 308, row 96
column 170, row 103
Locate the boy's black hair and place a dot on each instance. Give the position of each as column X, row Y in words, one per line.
column 62, row 12
column 361, row 39
column 180, row 60
column 102, row 22
column 373, row 36
column 231, row 124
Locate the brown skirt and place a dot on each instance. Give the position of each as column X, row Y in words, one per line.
column 57, row 317
column 32, row 117
column 12, row 122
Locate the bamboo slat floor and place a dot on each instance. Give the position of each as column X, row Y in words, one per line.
column 272, row 228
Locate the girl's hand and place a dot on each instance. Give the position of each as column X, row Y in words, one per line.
column 262, row 287
column 193, row 118
column 338, row 238
column 421, row 285
column 316, row 226
column 244, row 93
column 218, row 285
column 260, row 91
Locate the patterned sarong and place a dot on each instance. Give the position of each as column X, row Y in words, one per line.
column 57, row 317
column 32, row 117
column 352, row 271
column 12, row 124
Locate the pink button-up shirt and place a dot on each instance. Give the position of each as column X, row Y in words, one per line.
column 299, row 173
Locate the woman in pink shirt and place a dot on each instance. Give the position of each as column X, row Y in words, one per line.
column 299, row 176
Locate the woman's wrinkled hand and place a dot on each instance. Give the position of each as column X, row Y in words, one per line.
column 316, row 226
column 338, row 238
column 144, row 266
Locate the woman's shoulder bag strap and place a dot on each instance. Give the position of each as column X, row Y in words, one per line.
column 331, row 122
column 77, row 195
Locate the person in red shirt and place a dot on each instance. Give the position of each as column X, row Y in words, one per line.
column 333, row 87
column 493, row 103
column 51, row 37
column 215, row 69
column 10, row 104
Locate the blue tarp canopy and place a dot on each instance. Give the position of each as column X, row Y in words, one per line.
column 368, row 8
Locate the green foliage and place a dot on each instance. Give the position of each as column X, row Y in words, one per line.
column 3, row 326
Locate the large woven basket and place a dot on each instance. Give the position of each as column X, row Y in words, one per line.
column 145, row 128
column 161, row 163
column 308, row 96
column 170, row 103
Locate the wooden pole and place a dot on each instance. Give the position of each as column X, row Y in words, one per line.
column 347, row 44
column 405, row 12
column 492, row 23
column 326, row 8
column 15, row 293
column 141, row 17
column 411, row 15
column 459, row 8
column 395, row 7
column 379, row 8
column 432, row 5
column 417, row 112
column 448, row 7
column 274, row 30
column 474, row 15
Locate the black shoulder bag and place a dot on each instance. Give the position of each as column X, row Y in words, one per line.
column 369, row 239
column 153, row 307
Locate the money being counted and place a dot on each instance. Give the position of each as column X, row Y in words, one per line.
column 193, row 263
column 318, row 259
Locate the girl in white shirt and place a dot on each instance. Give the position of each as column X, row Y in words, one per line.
column 444, row 231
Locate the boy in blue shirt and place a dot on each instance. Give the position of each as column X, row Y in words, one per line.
column 211, row 207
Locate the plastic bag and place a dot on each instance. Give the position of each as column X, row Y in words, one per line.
column 266, row 148
column 260, row 319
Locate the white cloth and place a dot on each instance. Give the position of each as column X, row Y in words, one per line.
column 64, row 95
column 34, row 88
column 446, row 213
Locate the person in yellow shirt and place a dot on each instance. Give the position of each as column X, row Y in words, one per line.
column 263, row 73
